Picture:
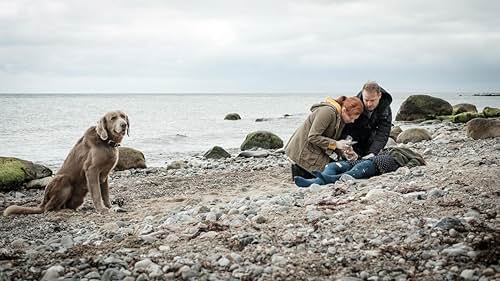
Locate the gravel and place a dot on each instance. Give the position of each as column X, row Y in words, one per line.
column 242, row 218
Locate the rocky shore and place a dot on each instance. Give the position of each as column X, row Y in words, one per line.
column 243, row 219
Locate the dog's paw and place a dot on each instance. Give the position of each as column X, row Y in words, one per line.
column 107, row 205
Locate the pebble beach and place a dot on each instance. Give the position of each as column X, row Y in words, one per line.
column 243, row 219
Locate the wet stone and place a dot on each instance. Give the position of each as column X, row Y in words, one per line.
column 449, row 223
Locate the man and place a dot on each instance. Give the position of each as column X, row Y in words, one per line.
column 371, row 130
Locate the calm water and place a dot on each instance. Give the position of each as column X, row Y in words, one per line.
column 43, row 128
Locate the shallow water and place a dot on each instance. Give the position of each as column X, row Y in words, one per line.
column 43, row 128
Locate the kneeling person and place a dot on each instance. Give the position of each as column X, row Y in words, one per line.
column 318, row 137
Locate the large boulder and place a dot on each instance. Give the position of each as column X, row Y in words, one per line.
column 464, row 107
column 129, row 158
column 216, row 152
column 232, row 116
column 414, row 135
column 491, row 112
column 262, row 139
column 419, row 107
column 16, row 172
column 482, row 128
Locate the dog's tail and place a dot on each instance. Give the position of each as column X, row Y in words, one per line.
column 20, row 210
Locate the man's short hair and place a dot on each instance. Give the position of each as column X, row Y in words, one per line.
column 371, row 87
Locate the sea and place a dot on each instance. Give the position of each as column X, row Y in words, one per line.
column 43, row 127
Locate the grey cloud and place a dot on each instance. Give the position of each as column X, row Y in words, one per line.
column 247, row 46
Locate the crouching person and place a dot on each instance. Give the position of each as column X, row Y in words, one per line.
column 311, row 145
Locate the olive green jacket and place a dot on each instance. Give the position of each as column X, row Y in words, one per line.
column 314, row 141
column 404, row 156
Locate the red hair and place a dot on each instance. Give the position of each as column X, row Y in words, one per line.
column 352, row 105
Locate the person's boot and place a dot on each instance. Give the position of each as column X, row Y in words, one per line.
column 303, row 182
column 326, row 178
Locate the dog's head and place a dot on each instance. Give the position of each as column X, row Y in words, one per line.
column 113, row 125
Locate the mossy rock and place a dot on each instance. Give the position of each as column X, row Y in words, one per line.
column 464, row 107
column 232, row 116
column 16, row 172
column 130, row 158
column 491, row 112
column 217, row 152
column 262, row 139
column 11, row 173
column 464, row 117
column 414, row 135
column 443, row 118
column 417, row 107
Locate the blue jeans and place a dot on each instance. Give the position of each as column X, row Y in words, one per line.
column 333, row 171
column 361, row 170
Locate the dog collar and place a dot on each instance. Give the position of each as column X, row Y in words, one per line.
column 113, row 143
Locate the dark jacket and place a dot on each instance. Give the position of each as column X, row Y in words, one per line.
column 371, row 132
column 313, row 142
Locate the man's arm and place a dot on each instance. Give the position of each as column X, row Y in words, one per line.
column 382, row 132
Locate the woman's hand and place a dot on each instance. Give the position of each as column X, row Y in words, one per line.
column 344, row 144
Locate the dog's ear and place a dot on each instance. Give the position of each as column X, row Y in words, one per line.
column 101, row 128
column 128, row 125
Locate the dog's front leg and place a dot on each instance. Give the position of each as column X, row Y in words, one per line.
column 105, row 193
column 92, row 176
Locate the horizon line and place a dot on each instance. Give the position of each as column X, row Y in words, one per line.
column 229, row 93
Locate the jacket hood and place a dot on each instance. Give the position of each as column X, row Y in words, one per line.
column 385, row 101
column 329, row 101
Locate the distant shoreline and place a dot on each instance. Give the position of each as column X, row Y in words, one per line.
column 487, row 95
column 312, row 93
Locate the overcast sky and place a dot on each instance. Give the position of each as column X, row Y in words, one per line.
column 248, row 46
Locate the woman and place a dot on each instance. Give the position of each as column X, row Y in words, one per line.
column 316, row 139
column 388, row 160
